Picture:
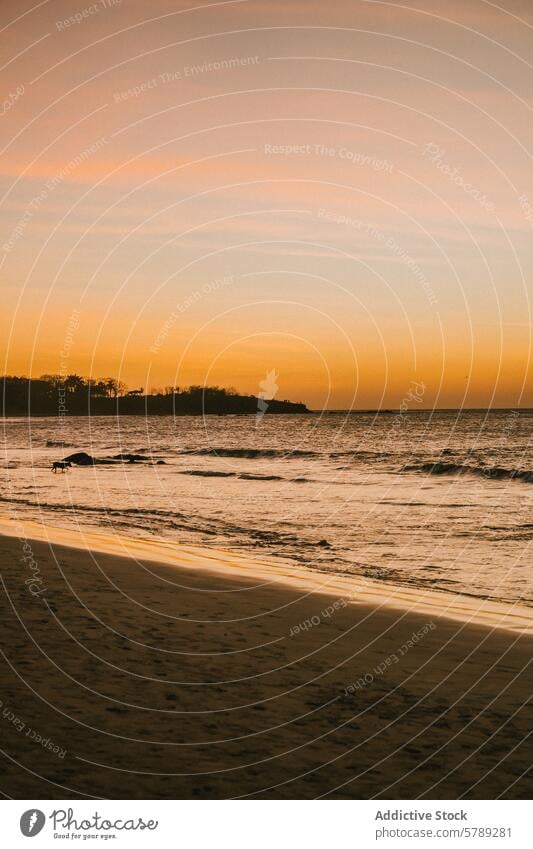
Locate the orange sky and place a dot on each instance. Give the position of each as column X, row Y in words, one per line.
column 200, row 193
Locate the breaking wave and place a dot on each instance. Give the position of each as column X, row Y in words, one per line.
column 248, row 453
column 491, row 472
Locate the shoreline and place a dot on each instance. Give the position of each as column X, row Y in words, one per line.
column 359, row 590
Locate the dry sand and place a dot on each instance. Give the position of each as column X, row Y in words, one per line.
column 125, row 678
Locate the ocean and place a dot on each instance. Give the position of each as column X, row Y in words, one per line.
column 436, row 500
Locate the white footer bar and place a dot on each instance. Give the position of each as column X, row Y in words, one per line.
column 266, row 824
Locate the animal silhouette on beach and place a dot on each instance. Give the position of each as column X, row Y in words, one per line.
column 60, row 466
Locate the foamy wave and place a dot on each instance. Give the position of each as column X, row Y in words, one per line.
column 491, row 472
column 249, row 453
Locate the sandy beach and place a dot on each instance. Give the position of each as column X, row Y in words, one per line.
column 125, row 678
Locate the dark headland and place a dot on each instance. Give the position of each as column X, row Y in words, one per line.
column 52, row 395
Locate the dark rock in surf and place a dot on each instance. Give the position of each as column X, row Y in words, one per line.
column 80, row 458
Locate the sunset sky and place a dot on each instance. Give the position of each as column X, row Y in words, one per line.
column 341, row 192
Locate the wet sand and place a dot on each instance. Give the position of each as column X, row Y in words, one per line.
column 124, row 677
